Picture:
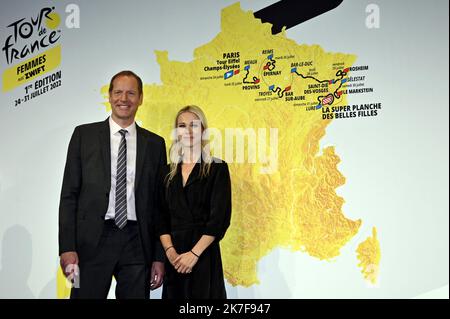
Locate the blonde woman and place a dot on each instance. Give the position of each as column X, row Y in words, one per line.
column 197, row 213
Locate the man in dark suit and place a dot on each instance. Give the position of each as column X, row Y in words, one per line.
column 109, row 201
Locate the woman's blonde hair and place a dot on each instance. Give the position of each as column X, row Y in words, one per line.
column 176, row 150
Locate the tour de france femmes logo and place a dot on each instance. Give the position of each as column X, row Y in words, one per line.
column 26, row 29
column 32, row 49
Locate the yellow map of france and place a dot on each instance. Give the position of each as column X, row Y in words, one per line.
column 248, row 78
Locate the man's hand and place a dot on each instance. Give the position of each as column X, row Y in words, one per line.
column 69, row 264
column 156, row 275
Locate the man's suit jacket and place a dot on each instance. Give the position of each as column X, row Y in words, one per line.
column 86, row 187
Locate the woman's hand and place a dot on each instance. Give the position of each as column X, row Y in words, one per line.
column 185, row 262
column 172, row 255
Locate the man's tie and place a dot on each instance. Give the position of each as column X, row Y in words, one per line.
column 121, row 183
